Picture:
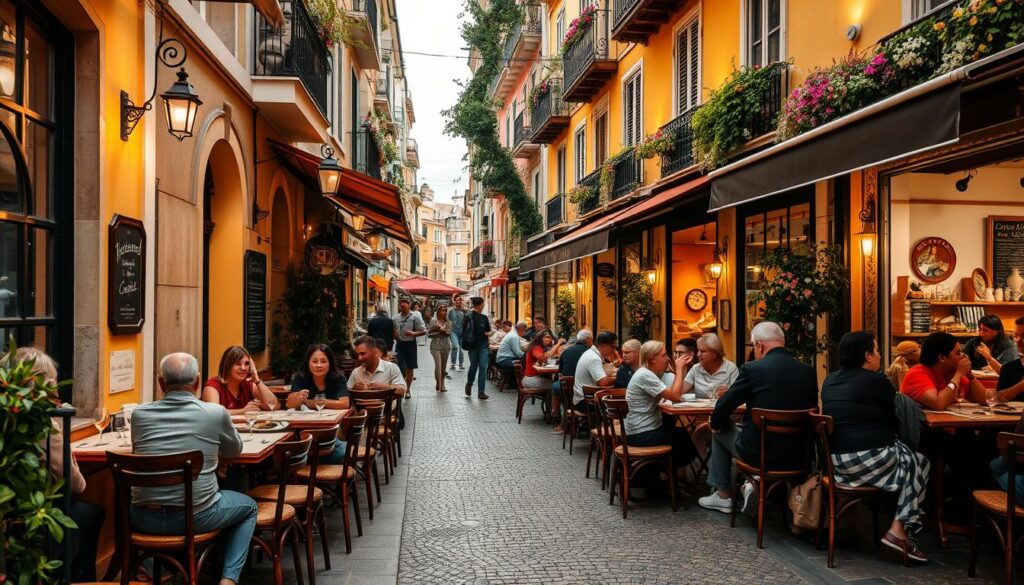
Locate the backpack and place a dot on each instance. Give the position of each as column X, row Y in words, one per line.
column 468, row 340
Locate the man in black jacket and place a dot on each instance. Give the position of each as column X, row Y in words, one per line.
column 474, row 340
column 775, row 380
column 382, row 327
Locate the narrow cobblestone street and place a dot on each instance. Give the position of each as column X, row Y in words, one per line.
column 478, row 499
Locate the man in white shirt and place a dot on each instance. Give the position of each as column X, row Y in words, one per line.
column 408, row 326
column 590, row 369
column 374, row 373
column 511, row 348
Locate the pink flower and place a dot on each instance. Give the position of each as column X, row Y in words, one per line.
column 785, row 326
column 808, row 293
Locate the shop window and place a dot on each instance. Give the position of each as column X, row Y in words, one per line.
column 692, row 304
column 34, row 237
column 777, row 228
column 764, row 32
column 631, row 261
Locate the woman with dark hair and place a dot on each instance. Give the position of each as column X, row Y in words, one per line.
column 536, row 355
column 991, row 347
column 943, row 374
column 237, row 385
column 439, row 331
column 318, row 374
column 865, row 448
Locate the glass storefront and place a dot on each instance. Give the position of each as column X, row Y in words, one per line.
column 693, row 288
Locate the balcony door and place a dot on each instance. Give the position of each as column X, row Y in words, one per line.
column 765, row 21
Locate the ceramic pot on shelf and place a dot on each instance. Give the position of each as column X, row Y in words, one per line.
column 1016, row 282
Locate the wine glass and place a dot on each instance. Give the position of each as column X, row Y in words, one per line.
column 101, row 424
column 320, row 402
column 990, row 398
column 251, row 416
column 128, row 409
column 959, row 396
column 119, row 425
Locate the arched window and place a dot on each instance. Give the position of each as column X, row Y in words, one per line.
column 33, row 152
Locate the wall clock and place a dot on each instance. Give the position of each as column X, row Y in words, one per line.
column 696, row 300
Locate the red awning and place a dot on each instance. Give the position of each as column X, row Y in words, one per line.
column 421, row 285
column 358, row 194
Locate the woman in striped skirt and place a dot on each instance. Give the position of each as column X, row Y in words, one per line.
column 865, row 447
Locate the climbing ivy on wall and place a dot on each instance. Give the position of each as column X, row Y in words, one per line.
column 474, row 117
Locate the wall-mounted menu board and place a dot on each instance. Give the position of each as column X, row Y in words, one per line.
column 255, row 301
column 1004, row 242
column 126, row 275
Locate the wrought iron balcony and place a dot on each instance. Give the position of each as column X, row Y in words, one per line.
column 555, row 210
column 456, row 239
column 628, row 175
column 522, row 147
column 367, row 155
column 681, row 155
column 634, row 21
column 766, row 119
column 484, row 254
column 364, row 14
column 587, row 64
column 294, row 50
column 593, row 182
column 550, row 115
column 412, row 152
column 520, row 43
column 382, row 91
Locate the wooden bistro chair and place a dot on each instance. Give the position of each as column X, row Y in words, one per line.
column 572, row 418
column 366, row 453
column 339, row 480
column 1000, row 507
column 154, row 471
column 385, row 438
column 593, row 419
column 306, row 498
column 839, row 498
column 769, row 422
column 527, row 393
column 630, row 460
column 276, row 520
column 606, row 428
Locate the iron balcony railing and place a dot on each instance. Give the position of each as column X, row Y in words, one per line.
column 294, row 50
column 439, row 256
column 484, row 254
column 456, row 239
column 681, row 155
column 520, row 131
column 367, row 155
column 628, row 171
column 765, row 120
column 622, row 8
column 593, row 181
column 510, row 42
column 370, row 8
column 383, row 85
column 555, row 210
column 587, row 48
column 548, row 105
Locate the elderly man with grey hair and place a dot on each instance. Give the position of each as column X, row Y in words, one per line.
column 181, row 422
column 775, row 380
column 511, row 347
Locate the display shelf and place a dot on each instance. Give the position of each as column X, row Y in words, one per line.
column 1007, row 311
column 973, row 303
column 922, row 335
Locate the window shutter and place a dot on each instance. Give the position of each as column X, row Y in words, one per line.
column 636, row 114
column 694, row 63
column 682, row 71
column 630, row 110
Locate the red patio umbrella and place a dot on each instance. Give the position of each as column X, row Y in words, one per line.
column 421, row 285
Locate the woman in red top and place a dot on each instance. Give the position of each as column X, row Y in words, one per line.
column 943, row 374
column 237, row 386
column 535, row 356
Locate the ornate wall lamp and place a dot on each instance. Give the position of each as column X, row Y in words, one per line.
column 721, row 254
column 867, row 227
column 181, row 102
column 328, row 172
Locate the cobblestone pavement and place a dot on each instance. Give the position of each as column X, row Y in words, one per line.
column 481, row 500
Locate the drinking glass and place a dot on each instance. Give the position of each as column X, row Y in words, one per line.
column 251, row 416
column 990, row 398
column 101, row 424
column 959, row 399
column 320, row 401
column 127, row 410
column 119, row 425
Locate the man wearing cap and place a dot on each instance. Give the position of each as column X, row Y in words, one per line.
column 908, row 354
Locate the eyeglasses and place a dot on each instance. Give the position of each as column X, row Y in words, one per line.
column 678, row 352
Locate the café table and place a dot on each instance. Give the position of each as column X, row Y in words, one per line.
column 969, row 417
column 691, row 414
column 254, row 451
column 300, row 420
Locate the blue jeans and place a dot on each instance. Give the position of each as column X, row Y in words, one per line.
column 478, row 367
column 999, row 472
column 456, row 348
column 337, row 456
column 234, row 514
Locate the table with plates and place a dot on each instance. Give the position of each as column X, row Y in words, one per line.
column 255, row 449
column 971, row 417
column 300, row 420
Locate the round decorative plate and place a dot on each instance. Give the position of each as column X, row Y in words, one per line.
column 933, row 259
column 980, row 280
column 696, row 300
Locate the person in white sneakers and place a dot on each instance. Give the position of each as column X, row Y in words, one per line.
column 775, row 380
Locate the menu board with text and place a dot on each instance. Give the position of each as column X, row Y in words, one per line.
column 1005, row 247
column 255, row 301
column 126, row 269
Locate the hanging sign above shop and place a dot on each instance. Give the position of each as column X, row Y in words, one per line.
column 933, row 260
column 255, row 301
column 126, row 269
column 605, row 270
column 323, row 259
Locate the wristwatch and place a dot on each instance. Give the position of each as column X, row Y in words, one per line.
column 951, row 386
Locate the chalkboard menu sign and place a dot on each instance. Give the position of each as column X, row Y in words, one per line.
column 1005, row 242
column 126, row 270
column 255, row 300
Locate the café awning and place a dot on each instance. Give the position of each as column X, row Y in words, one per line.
column 421, row 285
column 379, row 282
column 592, row 238
column 379, row 201
column 921, row 118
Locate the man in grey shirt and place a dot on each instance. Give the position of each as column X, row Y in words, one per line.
column 180, row 422
column 457, row 315
column 511, row 348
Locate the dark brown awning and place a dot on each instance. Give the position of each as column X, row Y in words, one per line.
column 592, row 242
column 921, row 123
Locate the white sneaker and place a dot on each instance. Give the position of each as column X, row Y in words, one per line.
column 747, row 490
column 716, row 502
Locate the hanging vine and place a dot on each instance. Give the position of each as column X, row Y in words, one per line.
column 474, row 118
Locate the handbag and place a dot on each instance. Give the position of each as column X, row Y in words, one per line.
column 805, row 503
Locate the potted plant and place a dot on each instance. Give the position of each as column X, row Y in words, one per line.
column 637, row 297
column 565, row 312
column 578, row 26
column 312, row 310
column 27, row 490
column 658, row 144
